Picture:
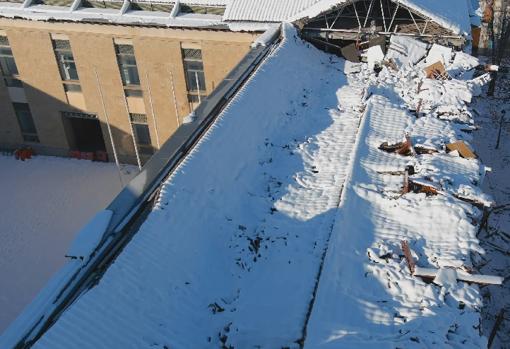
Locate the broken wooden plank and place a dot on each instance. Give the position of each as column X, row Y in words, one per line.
column 408, row 256
column 417, row 186
column 436, row 71
column 379, row 40
column 350, row 53
column 405, row 187
column 479, row 278
column 421, row 149
column 404, row 148
column 462, row 148
column 431, row 273
column 495, row 329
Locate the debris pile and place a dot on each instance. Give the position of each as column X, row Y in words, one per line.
column 416, row 179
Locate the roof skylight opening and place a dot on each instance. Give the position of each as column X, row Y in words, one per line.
column 59, row 3
column 113, row 5
column 151, row 6
column 13, row 1
column 202, row 10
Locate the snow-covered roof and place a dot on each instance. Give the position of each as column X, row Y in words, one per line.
column 266, row 10
column 297, row 183
column 451, row 14
column 249, row 15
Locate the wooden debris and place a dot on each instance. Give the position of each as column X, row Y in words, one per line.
column 409, row 257
column 495, row 329
column 462, row 148
column 416, row 186
column 420, row 150
column 379, row 40
column 390, row 64
column 436, row 71
column 392, row 173
column 484, row 223
column 420, row 187
column 350, row 53
column 418, row 107
column 431, row 273
column 405, row 187
column 473, row 201
column 404, row 148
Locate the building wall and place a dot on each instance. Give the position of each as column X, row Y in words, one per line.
column 160, row 67
column 494, row 12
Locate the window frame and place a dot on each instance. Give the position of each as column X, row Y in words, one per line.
column 29, row 136
column 11, row 78
column 65, row 65
column 125, row 66
column 194, row 75
column 140, row 121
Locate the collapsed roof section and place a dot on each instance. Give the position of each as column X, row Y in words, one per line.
column 433, row 21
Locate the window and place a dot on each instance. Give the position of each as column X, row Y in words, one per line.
column 141, row 133
column 64, row 3
column 150, row 6
column 209, row 10
column 8, row 66
column 26, row 122
column 114, row 5
column 195, row 77
column 65, row 60
column 127, row 65
column 133, row 93
column 72, row 88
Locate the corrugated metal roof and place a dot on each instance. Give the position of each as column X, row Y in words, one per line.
column 265, row 10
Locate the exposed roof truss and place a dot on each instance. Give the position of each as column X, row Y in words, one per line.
column 353, row 20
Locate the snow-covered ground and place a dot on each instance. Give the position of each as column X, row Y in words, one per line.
column 43, row 203
column 283, row 227
column 496, row 239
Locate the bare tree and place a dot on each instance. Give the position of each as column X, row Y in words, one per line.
column 500, row 40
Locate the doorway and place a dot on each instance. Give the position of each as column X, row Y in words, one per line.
column 84, row 132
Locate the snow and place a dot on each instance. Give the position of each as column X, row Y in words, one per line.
column 285, row 222
column 451, row 14
column 439, row 53
column 366, row 296
column 406, row 51
column 496, row 238
column 374, row 55
column 267, row 37
column 446, row 277
column 233, row 255
column 44, row 202
column 89, row 236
